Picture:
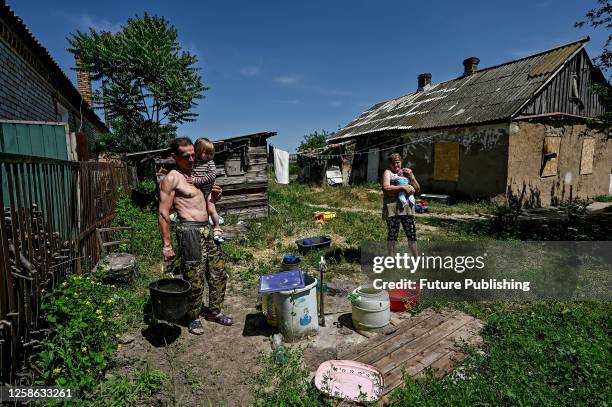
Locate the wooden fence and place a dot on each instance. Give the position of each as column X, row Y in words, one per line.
column 51, row 209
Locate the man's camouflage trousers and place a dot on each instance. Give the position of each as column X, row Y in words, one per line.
column 201, row 257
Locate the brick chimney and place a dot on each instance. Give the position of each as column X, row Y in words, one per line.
column 470, row 66
column 423, row 81
column 84, row 83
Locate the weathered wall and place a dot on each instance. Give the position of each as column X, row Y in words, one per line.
column 525, row 161
column 558, row 95
column 26, row 95
column 242, row 173
column 482, row 158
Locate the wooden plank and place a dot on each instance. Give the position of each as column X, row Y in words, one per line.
column 356, row 352
column 391, row 360
column 586, row 158
column 421, row 361
column 449, row 361
column 243, row 203
column 446, row 161
column 403, row 338
column 551, row 145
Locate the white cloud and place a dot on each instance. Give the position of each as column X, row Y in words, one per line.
column 286, row 80
column 85, row 22
column 249, row 71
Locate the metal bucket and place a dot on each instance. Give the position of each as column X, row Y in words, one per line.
column 169, row 298
column 371, row 310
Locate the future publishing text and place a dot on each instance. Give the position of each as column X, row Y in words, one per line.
column 457, row 264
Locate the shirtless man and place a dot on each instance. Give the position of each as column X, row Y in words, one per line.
column 199, row 255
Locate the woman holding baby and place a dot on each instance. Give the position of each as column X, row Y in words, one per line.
column 399, row 186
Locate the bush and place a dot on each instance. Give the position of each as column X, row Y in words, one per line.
column 147, row 240
column 82, row 337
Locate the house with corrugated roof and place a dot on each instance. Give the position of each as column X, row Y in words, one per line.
column 526, row 129
column 38, row 101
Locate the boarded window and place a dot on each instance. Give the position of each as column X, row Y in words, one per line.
column 446, row 162
column 550, row 156
column 586, row 159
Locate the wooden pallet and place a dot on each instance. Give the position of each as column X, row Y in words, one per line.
column 430, row 339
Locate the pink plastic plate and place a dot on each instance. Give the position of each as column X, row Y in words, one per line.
column 349, row 380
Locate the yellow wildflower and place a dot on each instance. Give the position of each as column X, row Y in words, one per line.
column 57, row 371
column 99, row 311
column 84, row 349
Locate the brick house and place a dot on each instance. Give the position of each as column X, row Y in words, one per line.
column 33, row 88
column 525, row 128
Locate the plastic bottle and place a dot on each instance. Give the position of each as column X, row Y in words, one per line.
column 278, row 349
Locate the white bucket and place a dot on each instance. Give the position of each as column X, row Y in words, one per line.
column 371, row 310
column 296, row 311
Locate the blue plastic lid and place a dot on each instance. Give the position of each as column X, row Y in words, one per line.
column 281, row 281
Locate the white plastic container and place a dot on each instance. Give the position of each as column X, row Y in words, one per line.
column 371, row 309
column 296, row 311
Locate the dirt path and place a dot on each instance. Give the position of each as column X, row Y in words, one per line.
column 213, row 369
column 217, row 368
column 455, row 216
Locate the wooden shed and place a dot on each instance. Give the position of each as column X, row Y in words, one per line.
column 241, row 163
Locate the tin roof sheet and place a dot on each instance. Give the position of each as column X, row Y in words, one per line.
column 491, row 94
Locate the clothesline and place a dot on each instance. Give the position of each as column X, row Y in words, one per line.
column 364, row 151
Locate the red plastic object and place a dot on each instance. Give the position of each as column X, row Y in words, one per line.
column 403, row 300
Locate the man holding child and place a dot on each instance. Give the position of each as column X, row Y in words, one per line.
column 199, row 253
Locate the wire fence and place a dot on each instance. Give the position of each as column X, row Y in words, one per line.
column 51, row 209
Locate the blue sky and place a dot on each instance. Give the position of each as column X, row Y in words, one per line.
column 296, row 67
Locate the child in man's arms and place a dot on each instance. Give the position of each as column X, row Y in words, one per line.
column 203, row 176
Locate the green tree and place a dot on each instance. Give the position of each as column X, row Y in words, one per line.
column 314, row 140
column 601, row 16
column 149, row 83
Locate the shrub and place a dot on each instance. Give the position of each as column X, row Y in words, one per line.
column 147, row 240
column 82, row 336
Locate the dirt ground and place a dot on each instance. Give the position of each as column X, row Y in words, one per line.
column 217, row 368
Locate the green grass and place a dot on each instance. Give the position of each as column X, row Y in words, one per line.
column 539, row 354
column 534, row 354
column 603, row 198
column 286, row 384
column 120, row 391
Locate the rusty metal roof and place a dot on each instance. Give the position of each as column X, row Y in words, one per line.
column 491, row 94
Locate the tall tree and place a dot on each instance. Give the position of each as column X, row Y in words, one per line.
column 150, row 83
column 601, row 17
column 314, row 140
